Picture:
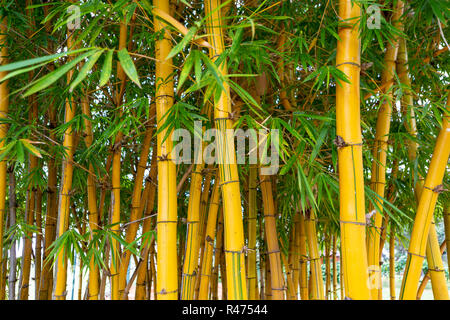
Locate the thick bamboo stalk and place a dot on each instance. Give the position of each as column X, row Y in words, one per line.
column 234, row 229
column 4, row 105
column 427, row 202
column 378, row 178
column 349, row 141
column 167, row 275
column 205, row 273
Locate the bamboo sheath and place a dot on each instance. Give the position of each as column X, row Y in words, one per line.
column 378, row 178
column 4, row 104
column 205, row 273
column 234, row 230
column 427, row 202
column 167, row 279
column 351, row 180
column 65, row 190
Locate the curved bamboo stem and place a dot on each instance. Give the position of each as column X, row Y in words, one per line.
column 427, row 202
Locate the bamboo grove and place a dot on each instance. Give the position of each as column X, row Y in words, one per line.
column 106, row 114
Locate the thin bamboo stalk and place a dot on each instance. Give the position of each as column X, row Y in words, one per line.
column 378, row 179
column 234, row 229
column 66, row 187
column 349, row 141
column 392, row 262
column 115, row 177
column 317, row 285
column 303, row 259
column 435, row 265
column 205, row 273
column 12, row 219
column 273, row 249
column 251, row 225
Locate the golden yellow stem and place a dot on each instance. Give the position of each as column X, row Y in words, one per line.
column 349, row 140
column 167, row 275
column 234, row 229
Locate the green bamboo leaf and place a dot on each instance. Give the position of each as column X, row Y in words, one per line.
column 47, row 80
column 107, row 67
column 188, row 64
column 31, row 148
column 85, row 69
column 46, row 59
column 186, row 39
column 128, row 66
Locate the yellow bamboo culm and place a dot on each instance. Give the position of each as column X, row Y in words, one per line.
column 205, row 273
column 193, row 235
column 66, row 187
column 115, row 176
column 436, row 266
column 303, row 281
column 251, row 256
column 234, row 229
column 4, row 105
column 94, row 273
column 167, row 275
column 273, row 249
column 425, row 209
column 349, row 140
column 446, row 215
column 317, row 285
column 392, row 262
column 378, row 178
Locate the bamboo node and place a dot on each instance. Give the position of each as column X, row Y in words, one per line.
column 341, row 143
column 438, row 189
